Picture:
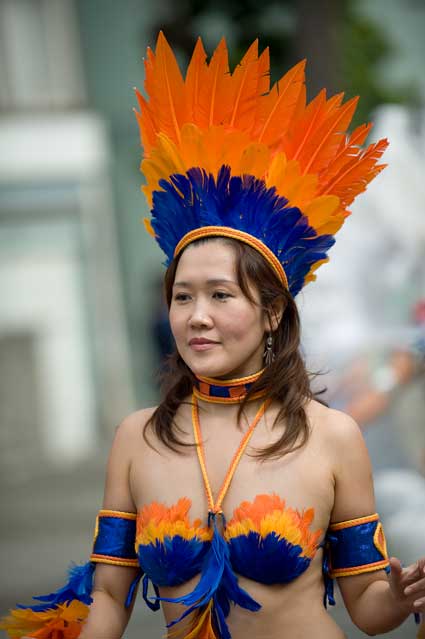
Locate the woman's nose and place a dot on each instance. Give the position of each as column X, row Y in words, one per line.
column 200, row 316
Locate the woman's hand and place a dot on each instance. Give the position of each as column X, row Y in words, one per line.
column 408, row 584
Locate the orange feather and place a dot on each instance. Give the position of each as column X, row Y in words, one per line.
column 245, row 80
column 167, row 97
column 286, row 177
column 214, row 103
column 349, row 149
column 254, row 160
column 63, row 621
column 311, row 277
column 149, row 64
column 278, row 106
column 146, row 123
column 199, row 627
column 305, row 126
column 195, row 79
column 323, row 146
column 356, row 175
column 321, row 210
column 264, row 72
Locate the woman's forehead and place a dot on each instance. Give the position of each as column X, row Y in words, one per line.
column 208, row 261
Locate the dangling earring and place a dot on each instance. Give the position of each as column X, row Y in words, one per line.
column 268, row 355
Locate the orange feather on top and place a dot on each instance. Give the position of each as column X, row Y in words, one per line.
column 196, row 76
column 305, row 126
column 318, row 151
column 278, row 106
column 165, row 85
column 264, row 72
column 245, row 80
column 215, row 100
column 215, row 117
column 149, row 62
column 146, row 123
column 357, row 173
column 350, row 147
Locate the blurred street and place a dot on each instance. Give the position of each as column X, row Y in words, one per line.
column 47, row 524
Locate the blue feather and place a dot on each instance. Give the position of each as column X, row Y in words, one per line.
column 221, row 609
column 196, row 199
column 174, row 561
column 79, row 586
column 218, row 582
column 152, row 603
column 268, row 560
column 132, row 589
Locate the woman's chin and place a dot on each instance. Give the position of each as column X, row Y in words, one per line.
column 217, row 370
column 208, row 366
column 204, row 370
column 212, row 364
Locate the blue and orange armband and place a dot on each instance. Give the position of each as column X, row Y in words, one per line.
column 62, row 613
column 114, row 539
column 354, row 547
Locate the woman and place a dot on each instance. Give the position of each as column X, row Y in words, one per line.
column 246, row 496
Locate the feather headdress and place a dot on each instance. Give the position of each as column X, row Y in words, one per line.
column 226, row 155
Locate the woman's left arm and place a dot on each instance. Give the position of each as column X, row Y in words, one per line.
column 377, row 603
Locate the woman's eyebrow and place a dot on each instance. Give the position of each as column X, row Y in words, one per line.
column 213, row 281
column 221, row 280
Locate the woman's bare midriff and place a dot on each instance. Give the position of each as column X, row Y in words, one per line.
column 294, row 610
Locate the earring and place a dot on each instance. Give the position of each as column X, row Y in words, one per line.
column 268, row 355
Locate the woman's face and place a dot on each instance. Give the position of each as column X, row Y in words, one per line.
column 218, row 331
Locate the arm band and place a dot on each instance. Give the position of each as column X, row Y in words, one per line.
column 356, row 546
column 353, row 547
column 114, row 539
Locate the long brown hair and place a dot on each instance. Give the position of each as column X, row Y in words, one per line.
column 285, row 380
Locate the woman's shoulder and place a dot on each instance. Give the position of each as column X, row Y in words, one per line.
column 126, row 442
column 137, row 419
column 333, row 424
column 339, row 439
column 132, row 426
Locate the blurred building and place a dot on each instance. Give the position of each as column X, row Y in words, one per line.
column 64, row 354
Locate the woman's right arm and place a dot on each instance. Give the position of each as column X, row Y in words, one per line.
column 108, row 616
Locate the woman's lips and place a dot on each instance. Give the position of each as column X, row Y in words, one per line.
column 202, row 345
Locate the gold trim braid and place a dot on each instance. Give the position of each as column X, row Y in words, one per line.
column 226, row 231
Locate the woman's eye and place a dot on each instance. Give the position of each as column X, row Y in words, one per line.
column 181, row 297
column 221, row 295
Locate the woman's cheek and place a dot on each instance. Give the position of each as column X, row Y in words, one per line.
column 177, row 327
column 239, row 327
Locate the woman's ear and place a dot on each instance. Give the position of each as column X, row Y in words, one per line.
column 274, row 315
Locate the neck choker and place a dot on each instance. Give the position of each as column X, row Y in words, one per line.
column 228, row 391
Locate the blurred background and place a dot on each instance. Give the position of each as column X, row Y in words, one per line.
column 82, row 323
